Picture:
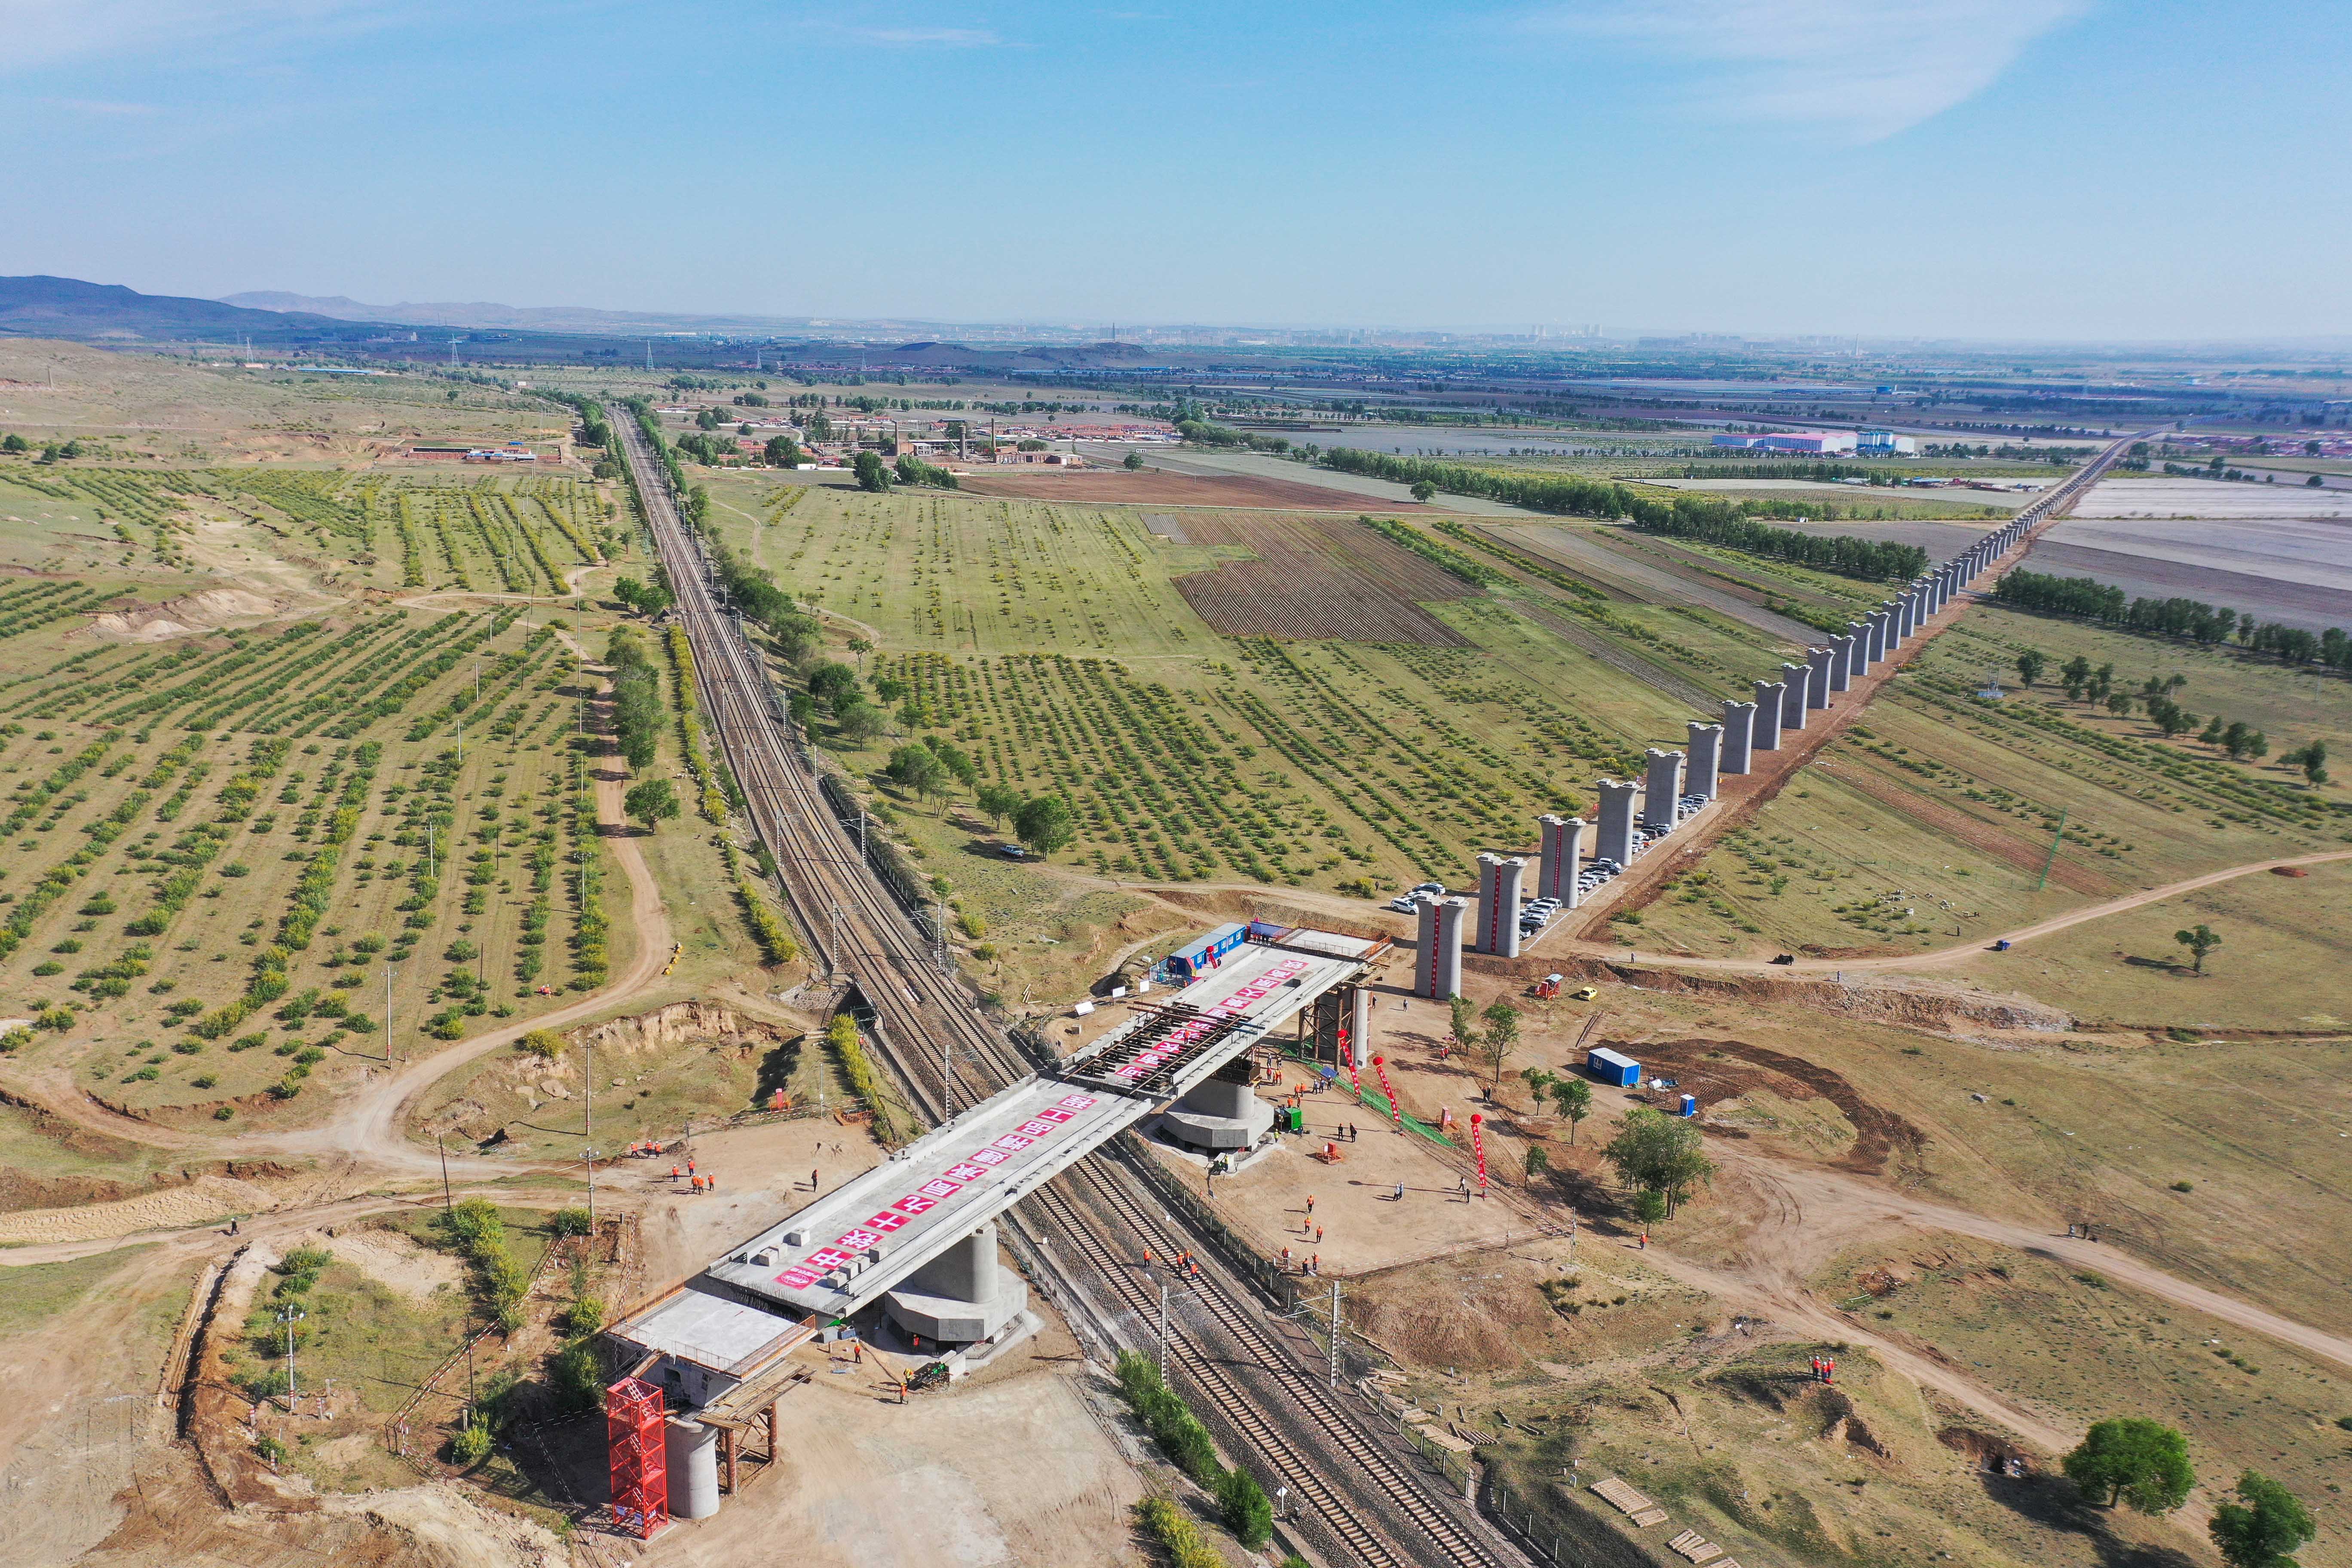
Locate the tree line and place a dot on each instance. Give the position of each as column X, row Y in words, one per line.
column 1731, row 525
column 2088, row 599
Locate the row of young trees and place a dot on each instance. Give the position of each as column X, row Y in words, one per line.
column 2086, row 598
column 1731, row 525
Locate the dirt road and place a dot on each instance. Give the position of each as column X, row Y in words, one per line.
column 364, row 1135
column 1935, row 957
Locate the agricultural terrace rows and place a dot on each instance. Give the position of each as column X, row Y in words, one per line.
column 1327, row 759
column 503, row 532
column 1935, row 819
column 953, row 571
column 259, row 821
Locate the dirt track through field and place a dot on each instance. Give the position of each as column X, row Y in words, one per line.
column 367, row 1131
column 1937, row 957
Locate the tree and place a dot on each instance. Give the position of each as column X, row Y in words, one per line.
column 1423, row 489
column 861, row 647
column 832, row 683
column 1133, row 463
column 955, row 759
column 651, row 802
column 1243, row 1503
column 917, row 768
column 997, row 799
column 2074, row 674
column 1574, row 1097
column 2029, row 664
column 871, row 473
column 2262, row 1529
column 1045, row 823
column 1538, row 1161
column 1465, row 1025
column 2311, row 759
column 2136, row 1461
column 2199, row 939
column 1500, row 1039
column 859, row 720
column 783, row 452
column 1659, row 1154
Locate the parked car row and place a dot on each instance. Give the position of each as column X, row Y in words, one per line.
column 1404, row 902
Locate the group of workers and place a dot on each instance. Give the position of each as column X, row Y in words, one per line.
column 696, row 1181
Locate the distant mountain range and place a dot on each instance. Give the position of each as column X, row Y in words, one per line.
column 567, row 319
column 112, row 315
column 70, row 308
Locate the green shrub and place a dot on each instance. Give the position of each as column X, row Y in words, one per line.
column 1172, row 1425
column 1166, row 1524
column 471, row 1445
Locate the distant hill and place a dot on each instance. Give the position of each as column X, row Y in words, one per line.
column 70, row 308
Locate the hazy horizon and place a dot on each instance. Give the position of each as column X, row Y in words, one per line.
column 2056, row 172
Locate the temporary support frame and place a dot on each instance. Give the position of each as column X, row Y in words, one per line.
column 634, row 1439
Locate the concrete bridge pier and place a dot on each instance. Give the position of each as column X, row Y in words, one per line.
column 961, row 1297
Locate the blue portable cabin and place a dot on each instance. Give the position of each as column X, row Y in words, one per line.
column 1613, row 1069
column 1189, row 963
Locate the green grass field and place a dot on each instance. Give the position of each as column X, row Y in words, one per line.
column 1933, row 821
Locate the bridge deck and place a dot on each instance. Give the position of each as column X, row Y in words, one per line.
column 846, row 1249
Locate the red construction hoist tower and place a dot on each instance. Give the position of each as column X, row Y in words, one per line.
column 632, row 1433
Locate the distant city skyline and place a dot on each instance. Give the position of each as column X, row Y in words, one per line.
column 2060, row 171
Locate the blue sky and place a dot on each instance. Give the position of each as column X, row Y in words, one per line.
column 2056, row 169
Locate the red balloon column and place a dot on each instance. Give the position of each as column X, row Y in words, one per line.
column 1396, row 1111
column 1479, row 1146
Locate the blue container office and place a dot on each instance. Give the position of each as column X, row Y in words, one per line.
column 1189, row 963
column 1609, row 1067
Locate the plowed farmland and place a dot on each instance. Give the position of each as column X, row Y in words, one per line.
column 1317, row 577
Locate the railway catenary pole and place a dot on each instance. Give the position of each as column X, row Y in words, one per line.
column 1376, row 1504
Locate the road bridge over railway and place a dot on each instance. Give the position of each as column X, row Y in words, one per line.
column 917, row 1232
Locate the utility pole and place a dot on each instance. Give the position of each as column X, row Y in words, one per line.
column 1163, row 1330
column 1335, row 1336
column 437, row 1143
column 290, row 1315
column 2052, row 860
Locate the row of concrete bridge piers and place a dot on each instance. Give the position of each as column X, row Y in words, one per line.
column 1677, row 785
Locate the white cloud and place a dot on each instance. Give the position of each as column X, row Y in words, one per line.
column 1866, row 68
column 101, row 106
column 47, row 32
column 928, row 37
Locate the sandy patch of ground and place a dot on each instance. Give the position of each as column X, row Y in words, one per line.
column 1008, row 1470
column 390, row 1256
column 183, row 616
column 201, row 1202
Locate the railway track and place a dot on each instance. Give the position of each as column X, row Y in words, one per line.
column 1356, row 1488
